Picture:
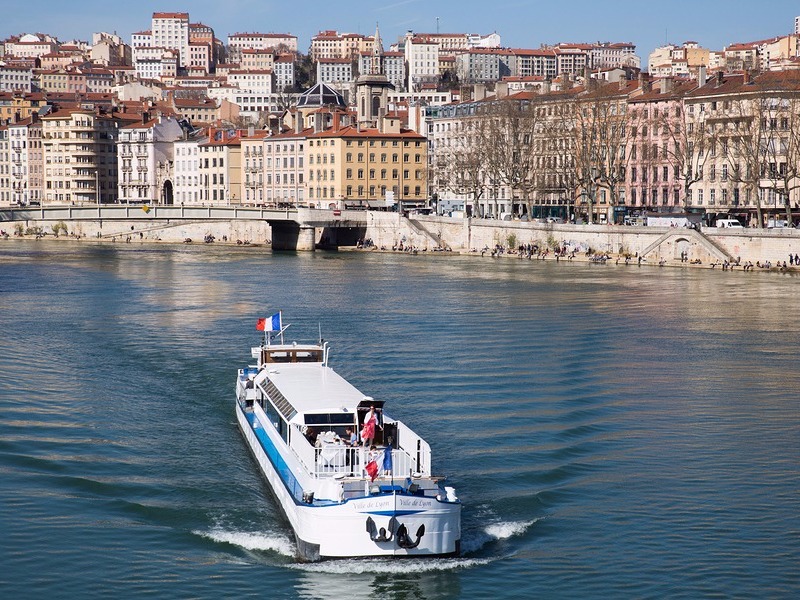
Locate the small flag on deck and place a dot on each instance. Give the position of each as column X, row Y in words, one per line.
column 372, row 469
column 272, row 323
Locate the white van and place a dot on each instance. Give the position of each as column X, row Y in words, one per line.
column 777, row 223
column 728, row 223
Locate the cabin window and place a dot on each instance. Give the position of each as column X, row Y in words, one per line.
column 290, row 356
column 336, row 422
column 277, row 421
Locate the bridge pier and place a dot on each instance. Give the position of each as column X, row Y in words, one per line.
column 291, row 236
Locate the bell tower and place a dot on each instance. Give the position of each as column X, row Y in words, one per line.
column 372, row 88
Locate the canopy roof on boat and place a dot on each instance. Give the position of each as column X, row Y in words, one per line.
column 298, row 389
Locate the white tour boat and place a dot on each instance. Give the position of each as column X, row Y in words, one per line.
column 341, row 500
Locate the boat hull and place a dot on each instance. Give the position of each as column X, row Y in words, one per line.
column 352, row 528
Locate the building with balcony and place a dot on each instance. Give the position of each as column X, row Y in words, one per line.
column 145, row 156
column 284, row 168
column 220, row 167
column 25, row 156
column 80, row 155
column 187, row 186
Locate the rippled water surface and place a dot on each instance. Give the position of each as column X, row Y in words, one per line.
column 612, row 431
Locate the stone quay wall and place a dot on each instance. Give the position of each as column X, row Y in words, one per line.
column 654, row 243
column 388, row 230
column 255, row 232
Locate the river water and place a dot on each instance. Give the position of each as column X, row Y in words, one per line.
column 612, row 430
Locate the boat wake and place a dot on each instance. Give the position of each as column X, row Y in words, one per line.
column 253, row 541
column 282, row 545
column 476, row 541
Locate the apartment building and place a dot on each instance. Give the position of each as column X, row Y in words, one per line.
column 254, row 81
column 257, row 59
column 277, row 42
column 145, row 155
column 422, row 61
column 661, row 151
column 484, row 65
column 203, row 48
column 220, row 167
column 25, row 171
column 80, row 155
column 15, row 106
column 110, row 50
column 610, row 55
column 284, row 168
column 284, row 71
column 30, row 45
column 171, row 31
column 332, row 44
column 356, row 166
column 187, row 186
column 15, row 79
column 334, row 71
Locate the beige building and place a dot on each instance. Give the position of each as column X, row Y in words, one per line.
column 332, row 44
column 80, row 155
column 257, row 59
column 220, row 167
column 351, row 166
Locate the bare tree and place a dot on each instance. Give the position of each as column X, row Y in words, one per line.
column 599, row 142
column 779, row 106
column 460, row 163
column 688, row 145
column 513, row 123
column 748, row 146
column 556, row 149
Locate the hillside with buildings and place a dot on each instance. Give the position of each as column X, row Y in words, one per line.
column 453, row 122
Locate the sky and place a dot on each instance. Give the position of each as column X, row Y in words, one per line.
column 521, row 24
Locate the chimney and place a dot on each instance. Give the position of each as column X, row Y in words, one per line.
column 337, row 120
column 478, row 92
column 719, row 78
column 145, row 117
column 547, row 86
column 702, row 76
column 501, row 89
column 667, row 85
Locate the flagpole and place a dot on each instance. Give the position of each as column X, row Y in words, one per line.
column 280, row 321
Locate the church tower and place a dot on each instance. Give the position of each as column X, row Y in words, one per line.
column 372, row 89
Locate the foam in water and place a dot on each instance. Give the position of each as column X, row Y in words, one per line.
column 390, row 565
column 265, row 542
column 493, row 533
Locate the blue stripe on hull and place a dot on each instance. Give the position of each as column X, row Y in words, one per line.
column 278, row 463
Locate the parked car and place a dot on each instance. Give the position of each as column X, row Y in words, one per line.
column 728, row 223
column 777, row 223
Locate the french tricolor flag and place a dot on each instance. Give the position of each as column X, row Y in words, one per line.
column 272, row 323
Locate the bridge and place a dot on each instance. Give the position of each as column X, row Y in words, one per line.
column 292, row 228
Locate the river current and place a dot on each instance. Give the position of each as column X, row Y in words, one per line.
column 613, row 431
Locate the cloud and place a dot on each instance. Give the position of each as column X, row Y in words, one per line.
column 394, row 5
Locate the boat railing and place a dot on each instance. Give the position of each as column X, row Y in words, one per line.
column 245, row 389
column 414, row 449
column 331, row 459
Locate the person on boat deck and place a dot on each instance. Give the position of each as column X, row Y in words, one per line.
column 311, row 436
column 368, row 430
column 352, row 438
